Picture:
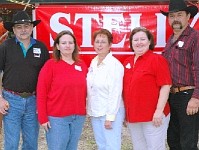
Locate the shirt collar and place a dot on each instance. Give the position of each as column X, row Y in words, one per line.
column 187, row 30
column 145, row 55
column 107, row 58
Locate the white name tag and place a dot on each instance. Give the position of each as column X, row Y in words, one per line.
column 78, row 68
column 36, row 50
column 128, row 66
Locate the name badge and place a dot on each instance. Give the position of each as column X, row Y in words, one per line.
column 78, row 68
column 37, row 52
column 128, row 66
column 180, row 43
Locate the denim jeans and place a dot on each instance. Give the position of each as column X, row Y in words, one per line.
column 21, row 117
column 65, row 132
column 108, row 139
column 183, row 129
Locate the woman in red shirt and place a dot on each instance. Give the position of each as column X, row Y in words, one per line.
column 147, row 84
column 61, row 94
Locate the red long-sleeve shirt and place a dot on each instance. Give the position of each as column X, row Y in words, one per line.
column 61, row 90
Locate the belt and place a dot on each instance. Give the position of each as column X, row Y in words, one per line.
column 180, row 89
column 22, row 94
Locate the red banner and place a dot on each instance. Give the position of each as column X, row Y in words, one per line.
column 83, row 20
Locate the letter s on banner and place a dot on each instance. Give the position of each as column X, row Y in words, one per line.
column 56, row 26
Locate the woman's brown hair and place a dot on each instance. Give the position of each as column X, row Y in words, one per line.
column 56, row 52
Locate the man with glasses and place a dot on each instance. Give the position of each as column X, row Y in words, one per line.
column 21, row 59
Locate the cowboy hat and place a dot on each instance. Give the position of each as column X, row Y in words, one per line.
column 20, row 17
column 180, row 5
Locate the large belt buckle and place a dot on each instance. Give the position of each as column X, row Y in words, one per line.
column 25, row 94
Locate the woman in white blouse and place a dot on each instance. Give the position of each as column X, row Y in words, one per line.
column 105, row 104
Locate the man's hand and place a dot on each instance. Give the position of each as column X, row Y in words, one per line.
column 4, row 106
column 193, row 106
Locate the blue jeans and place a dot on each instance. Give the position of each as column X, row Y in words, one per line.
column 65, row 132
column 108, row 139
column 21, row 117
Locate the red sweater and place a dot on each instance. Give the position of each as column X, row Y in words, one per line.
column 61, row 90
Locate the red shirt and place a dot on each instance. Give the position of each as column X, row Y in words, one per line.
column 61, row 90
column 142, row 83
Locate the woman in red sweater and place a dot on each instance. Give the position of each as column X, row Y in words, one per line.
column 61, row 94
column 146, row 89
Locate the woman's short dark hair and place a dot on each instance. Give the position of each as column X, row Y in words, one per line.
column 104, row 32
column 148, row 33
column 56, row 52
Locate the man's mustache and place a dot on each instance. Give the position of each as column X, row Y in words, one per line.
column 177, row 22
column 24, row 33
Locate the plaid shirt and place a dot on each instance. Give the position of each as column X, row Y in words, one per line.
column 183, row 59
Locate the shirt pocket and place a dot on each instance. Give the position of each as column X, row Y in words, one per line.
column 183, row 56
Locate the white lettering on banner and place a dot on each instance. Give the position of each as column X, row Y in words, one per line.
column 83, row 20
column 86, row 26
column 56, row 26
column 161, row 30
column 135, row 20
column 110, row 22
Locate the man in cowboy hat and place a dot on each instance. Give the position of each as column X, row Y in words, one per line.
column 21, row 59
column 182, row 53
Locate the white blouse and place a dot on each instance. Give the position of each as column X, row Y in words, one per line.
column 104, row 87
